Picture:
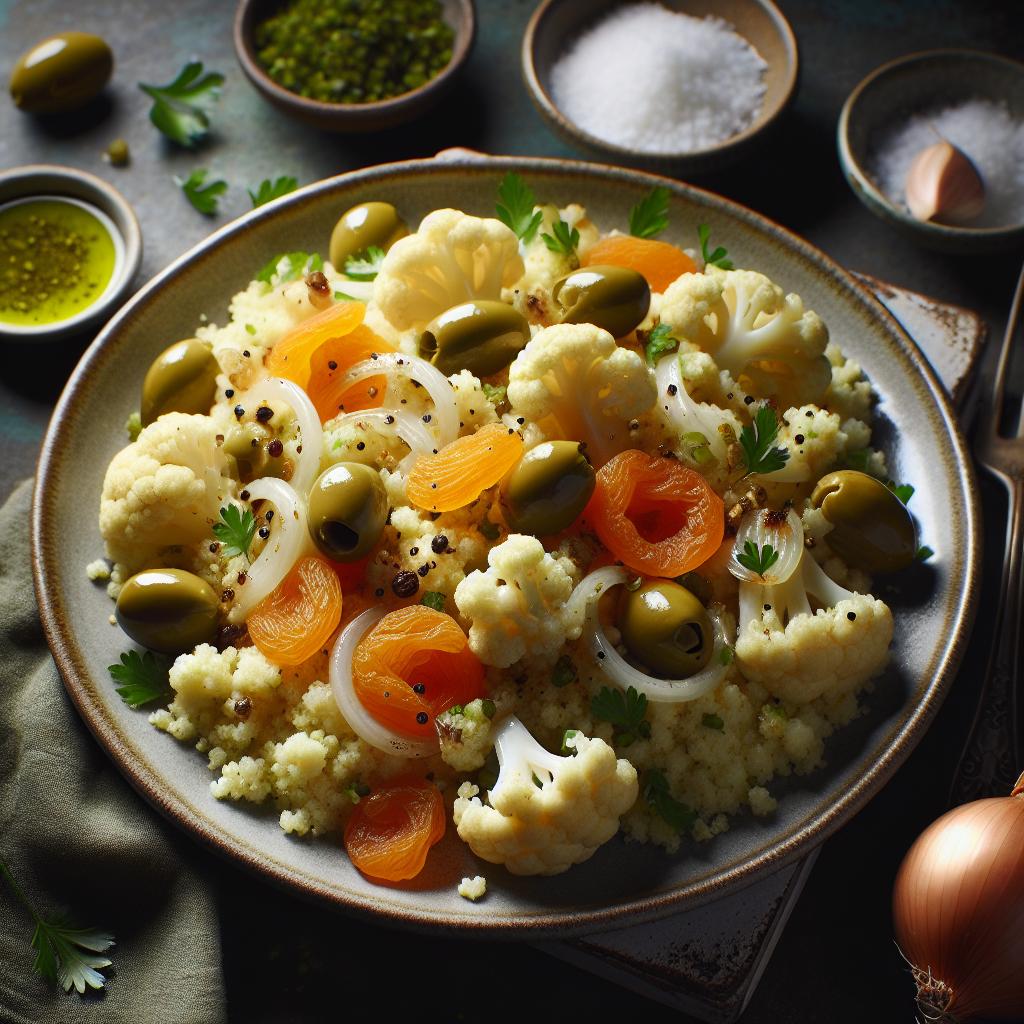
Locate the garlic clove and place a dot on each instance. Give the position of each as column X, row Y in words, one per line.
column 943, row 185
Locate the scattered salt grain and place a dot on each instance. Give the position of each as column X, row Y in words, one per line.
column 986, row 131
column 651, row 79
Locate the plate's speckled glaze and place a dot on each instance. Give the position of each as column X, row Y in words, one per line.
column 623, row 883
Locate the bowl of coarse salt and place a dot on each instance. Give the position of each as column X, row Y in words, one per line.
column 933, row 143
column 679, row 86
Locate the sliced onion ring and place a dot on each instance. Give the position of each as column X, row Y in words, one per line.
column 410, row 429
column 620, row 671
column 362, row 723
column 442, row 394
column 786, row 536
column 289, row 540
column 278, row 389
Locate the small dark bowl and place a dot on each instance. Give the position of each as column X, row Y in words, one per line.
column 897, row 91
column 352, row 117
column 556, row 24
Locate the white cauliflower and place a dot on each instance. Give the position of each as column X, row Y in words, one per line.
column 452, row 258
column 518, row 606
column 546, row 829
column 765, row 339
column 465, row 735
column 580, row 386
column 849, row 394
column 799, row 655
column 816, row 441
column 163, row 490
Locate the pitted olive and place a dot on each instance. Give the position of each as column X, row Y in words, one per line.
column 167, row 610
column 61, row 73
column 666, row 629
column 183, row 378
column 256, row 451
column 872, row 529
column 548, row 488
column 348, row 508
column 365, row 225
column 483, row 337
column 614, row 298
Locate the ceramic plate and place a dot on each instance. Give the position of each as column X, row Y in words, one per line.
column 623, row 883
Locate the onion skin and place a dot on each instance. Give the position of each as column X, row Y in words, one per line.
column 958, row 911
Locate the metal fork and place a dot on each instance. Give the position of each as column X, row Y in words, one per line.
column 990, row 762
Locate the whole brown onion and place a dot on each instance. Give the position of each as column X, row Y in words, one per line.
column 958, row 910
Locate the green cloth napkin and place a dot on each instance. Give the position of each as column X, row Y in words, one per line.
column 80, row 841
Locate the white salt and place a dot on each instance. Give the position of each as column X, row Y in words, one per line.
column 651, row 79
column 986, row 131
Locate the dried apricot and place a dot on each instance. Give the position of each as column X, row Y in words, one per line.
column 659, row 262
column 290, row 357
column 329, row 365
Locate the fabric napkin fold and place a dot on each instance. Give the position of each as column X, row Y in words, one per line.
column 80, row 841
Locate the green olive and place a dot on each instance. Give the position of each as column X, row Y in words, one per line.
column 61, row 73
column 666, row 629
column 250, row 445
column 548, row 488
column 872, row 529
column 483, row 337
column 167, row 610
column 365, row 225
column 614, row 298
column 348, row 508
column 183, row 378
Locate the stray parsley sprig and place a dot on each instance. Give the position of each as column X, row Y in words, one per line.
column 365, row 266
column 515, row 207
column 718, row 258
column 290, row 265
column 923, row 553
column 756, row 441
column 626, row 711
column 659, row 341
column 202, row 196
column 268, row 190
column 434, row 599
column 65, row 956
column 140, row 678
column 902, row 491
column 236, row 530
column 563, row 239
column 659, row 798
column 758, row 560
column 181, row 110
column 650, row 216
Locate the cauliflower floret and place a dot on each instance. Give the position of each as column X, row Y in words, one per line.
column 798, row 655
column 849, row 394
column 465, row 734
column 580, row 386
column 518, row 606
column 164, row 489
column 816, row 441
column 475, row 408
column 473, row 888
column 545, row 830
column 765, row 339
column 452, row 258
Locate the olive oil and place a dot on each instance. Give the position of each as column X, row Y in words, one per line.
column 57, row 258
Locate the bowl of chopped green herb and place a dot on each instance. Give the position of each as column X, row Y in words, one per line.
column 357, row 66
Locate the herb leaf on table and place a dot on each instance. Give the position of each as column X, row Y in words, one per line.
column 650, row 216
column 268, row 190
column 203, row 197
column 181, row 109
column 515, row 207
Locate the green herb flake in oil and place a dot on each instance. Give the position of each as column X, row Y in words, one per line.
column 56, row 260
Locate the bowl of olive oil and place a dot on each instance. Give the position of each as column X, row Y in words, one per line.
column 69, row 248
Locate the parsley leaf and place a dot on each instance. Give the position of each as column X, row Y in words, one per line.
column 203, row 197
column 288, row 266
column 489, row 530
column 344, row 297
column 626, row 712
column 660, row 799
column 923, row 553
column 236, row 530
column 566, row 750
column 181, row 109
column 650, row 216
column 718, row 258
column 268, row 190
column 756, row 442
column 710, row 721
column 757, row 560
column 133, row 425
column 727, row 655
column 141, row 679
column 564, row 672
column 495, row 393
column 902, row 491
column 515, row 207
column 434, row 599
column 859, row 459
column 659, row 341
column 563, row 238
column 365, row 266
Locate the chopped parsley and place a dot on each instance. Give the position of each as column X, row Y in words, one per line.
column 650, row 216
column 268, row 190
column 181, row 109
column 365, row 266
column 727, row 655
column 569, row 734
column 515, row 207
column 290, row 265
column 923, row 553
column 495, row 393
column 757, row 443
column 659, row 341
column 434, row 599
column 140, row 679
column 563, row 239
column 133, row 426
column 719, row 257
column 236, row 530
column 345, row 297
column 564, row 672
column 715, row 722
column 758, row 560
column 659, row 798
column 202, row 196
column 489, row 530
column 626, row 711
column 902, row 491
